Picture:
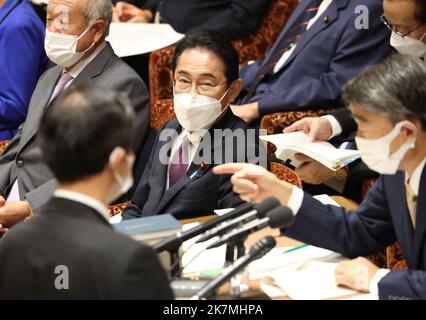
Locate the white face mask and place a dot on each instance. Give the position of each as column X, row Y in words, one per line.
column 409, row 46
column 195, row 112
column 124, row 184
column 375, row 152
column 62, row 48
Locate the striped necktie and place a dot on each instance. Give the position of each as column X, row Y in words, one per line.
column 295, row 33
column 411, row 203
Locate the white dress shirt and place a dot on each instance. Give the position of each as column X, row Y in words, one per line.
column 324, row 5
column 296, row 200
column 83, row 199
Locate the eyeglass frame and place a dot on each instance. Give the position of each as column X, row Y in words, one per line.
column 392, row 27
column 197, row 85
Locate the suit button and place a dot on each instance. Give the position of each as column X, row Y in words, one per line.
column 20, row 163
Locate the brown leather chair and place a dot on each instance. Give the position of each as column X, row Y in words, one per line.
column 252, row 47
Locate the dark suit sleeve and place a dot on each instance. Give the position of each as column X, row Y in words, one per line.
column 348, row 124
column 354, row 51
column 403, row 285
column 145, row 278
column 7, row 160
column 240, row 19
column 140, row 197
column 366, row 231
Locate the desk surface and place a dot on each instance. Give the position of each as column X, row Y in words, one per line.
column 255, row 291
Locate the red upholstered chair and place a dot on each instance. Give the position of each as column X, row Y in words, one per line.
column 117, row 209
column 161, row 112
column 252, row 47
column 285, row 173
column 3, row 146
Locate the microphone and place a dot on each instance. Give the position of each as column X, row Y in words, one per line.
column 280, row 217
column 259, row 211
column 173, row 243
column 257, row 251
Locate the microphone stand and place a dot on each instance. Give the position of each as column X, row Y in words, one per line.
column 234, row 251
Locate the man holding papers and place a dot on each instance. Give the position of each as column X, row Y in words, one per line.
column 387, row 104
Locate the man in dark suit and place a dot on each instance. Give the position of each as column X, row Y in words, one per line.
column 324, row 44
column 179, row 178
column 402, row 17
column 23, row 61
column 387, row 104
column 25, row 182
column 69, row 250
column 233, row 18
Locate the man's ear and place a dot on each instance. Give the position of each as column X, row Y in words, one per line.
column 99, row 28
column 117, row 158
column 235, row 90
column 172, row 76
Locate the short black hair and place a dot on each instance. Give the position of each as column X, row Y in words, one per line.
column 395, row 88
column 421, row 10
column 215, row 42
column 81, row 128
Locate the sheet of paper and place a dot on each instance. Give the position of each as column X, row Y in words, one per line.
column 277, row 259
column 311, row 280
column 129, row 39
column 222, row 212
column 196, row 259
column 116, row 219
column 326, row 199
column 289, row 144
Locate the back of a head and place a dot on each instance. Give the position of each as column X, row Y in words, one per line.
column 395, row 88
column 80, row 130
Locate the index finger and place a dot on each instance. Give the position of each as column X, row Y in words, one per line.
column 229, row 168
column 297, row 126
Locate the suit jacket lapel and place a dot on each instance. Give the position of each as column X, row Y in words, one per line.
column 332, row 13
column 420, row 233
column 39, row 103
column 92, row 70
column 195, row 171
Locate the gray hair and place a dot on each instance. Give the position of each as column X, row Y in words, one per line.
column 394, row 88
column 99, row 9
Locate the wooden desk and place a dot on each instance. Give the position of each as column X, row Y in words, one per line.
column 255, row 291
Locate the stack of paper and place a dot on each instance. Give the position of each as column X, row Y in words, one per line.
column 288, row 144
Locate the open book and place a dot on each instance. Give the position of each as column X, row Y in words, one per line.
column 288, row 144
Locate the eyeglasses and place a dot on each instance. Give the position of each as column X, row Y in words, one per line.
column 186, row 85
column 392, row 27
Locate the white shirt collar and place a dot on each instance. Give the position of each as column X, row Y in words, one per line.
column 415, row 178
column 83, row 199
column 84, row 63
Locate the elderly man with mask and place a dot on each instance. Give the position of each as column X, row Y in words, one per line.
column 178, row 178
column 387, row 104
column 75, row 41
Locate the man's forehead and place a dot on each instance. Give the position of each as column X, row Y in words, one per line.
column 63, row 5
column 200, row 61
